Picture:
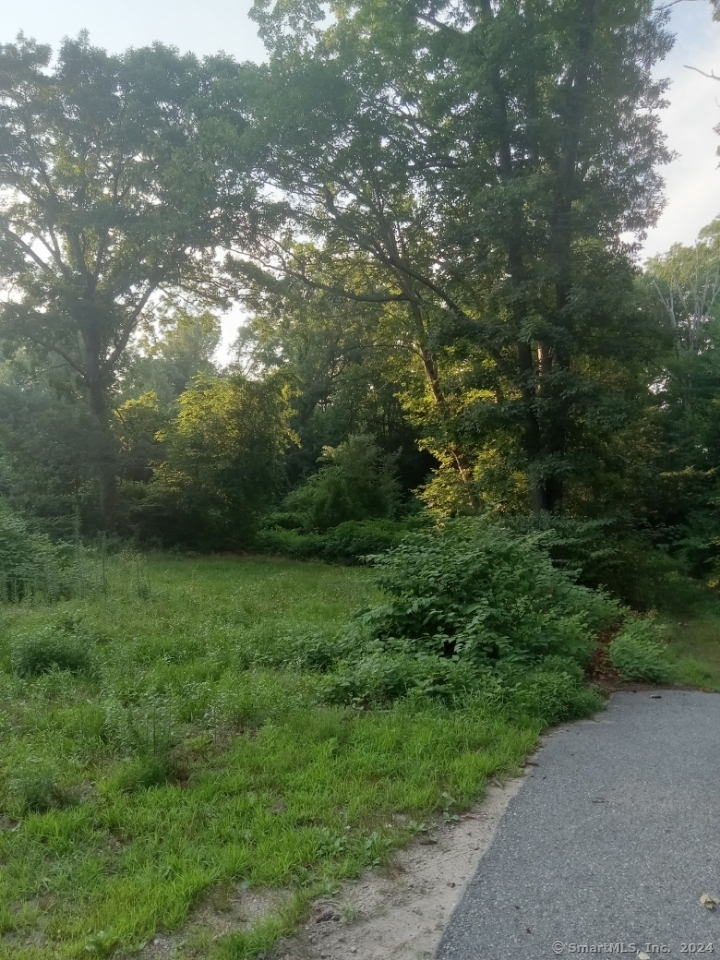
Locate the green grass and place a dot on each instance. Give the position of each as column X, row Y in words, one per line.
column 695, row 648
column 185, row 757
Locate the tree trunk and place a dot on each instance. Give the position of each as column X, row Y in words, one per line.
column 107, row 461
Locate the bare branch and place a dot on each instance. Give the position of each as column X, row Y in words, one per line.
column 673, row 3
column 711, row 76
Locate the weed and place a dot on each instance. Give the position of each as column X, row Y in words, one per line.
column 142, row 774
column 37, row 791
column 551, row 696
column 639, row 651
column 49, row 651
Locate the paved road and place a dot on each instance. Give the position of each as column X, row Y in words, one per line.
column 610, row 843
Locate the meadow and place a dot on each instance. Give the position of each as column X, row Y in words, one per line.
column 168, row 758
column 178, row 755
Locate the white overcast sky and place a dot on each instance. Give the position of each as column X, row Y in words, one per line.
column 693, row 179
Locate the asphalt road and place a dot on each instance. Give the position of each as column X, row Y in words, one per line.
column 610, row 843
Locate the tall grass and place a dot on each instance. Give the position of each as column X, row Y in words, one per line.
column 82, row 573
column 189, row 750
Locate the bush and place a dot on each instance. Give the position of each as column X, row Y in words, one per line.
column 606, row 553
column 348, row 543
column 473, row 591
column 381, row 678
column 33, row 656
column 29, row 563
column 356, row 481
column 552, row 693
column 638, row 652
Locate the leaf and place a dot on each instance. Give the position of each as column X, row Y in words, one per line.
column 708, row 901
column 642, row 956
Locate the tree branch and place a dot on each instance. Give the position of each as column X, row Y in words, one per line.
column 129, row 327
column 711, row 76
column 53, row 348
column 673, row 3
column 439, row 25
column 26, row 248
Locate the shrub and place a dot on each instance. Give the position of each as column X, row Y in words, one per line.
column 553, row 691
column 222, row 465
column 552, row 694
column 606, row 552
column 49, row 651
column 381, row 677
column 348, row 543
column 638, row 651
column 29, row 563
column 474, row 591
column 356, row 481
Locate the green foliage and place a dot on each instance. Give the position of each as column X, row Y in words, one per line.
column 382, row 677
column 127, row 205
column 476, row 592
column 606, row 552
column 200, row 757
column 29, row 563
column 506, row 323
column 639, row 651
column 355, row 482
column 37, row 791
column 552, row 693
column 49, row 651
column 348, row 543
column 170, row 355
column 222, row 465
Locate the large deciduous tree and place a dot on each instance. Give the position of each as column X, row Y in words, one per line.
column 222, row 465
column 116, row 189
column 478, row 162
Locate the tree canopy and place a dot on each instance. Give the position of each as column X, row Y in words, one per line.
column 427, row 216
column 119, row 179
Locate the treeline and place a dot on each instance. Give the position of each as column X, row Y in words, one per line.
column 423, row 212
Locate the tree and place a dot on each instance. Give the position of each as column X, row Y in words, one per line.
column 48, row 441
column 355, row 482
column 687, row 282
column 478, row 163
column 346, row 365
column 686, row 387
column 165, row 360
column 115, row 192
column 222, row 463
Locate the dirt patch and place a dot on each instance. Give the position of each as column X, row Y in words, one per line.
column 395, row 912
column 400, row 911
column 228, row 909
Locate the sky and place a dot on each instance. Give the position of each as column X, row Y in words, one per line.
column 692, row 180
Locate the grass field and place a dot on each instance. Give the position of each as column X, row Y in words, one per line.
column 695, row 648
column 182, row 771
column 184, row 761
